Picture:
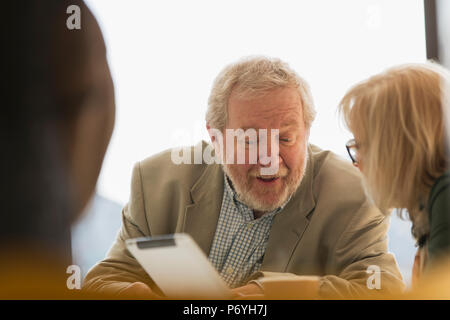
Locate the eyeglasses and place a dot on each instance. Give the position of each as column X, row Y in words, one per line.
column 352, row 148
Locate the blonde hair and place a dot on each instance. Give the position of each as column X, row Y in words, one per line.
column 397, row 117
column 253, row 76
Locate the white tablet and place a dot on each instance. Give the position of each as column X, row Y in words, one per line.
column 179, row 267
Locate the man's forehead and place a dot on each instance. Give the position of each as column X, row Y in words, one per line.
column 287, row 106
column 282, row 109
column 291, row 117
column 289, row 123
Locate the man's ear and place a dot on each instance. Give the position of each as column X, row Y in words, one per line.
column 217, row 140
column 211, row 136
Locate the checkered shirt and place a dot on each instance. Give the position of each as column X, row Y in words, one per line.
column 240, row 240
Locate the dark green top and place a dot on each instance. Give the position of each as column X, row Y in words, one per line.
column 439, row 216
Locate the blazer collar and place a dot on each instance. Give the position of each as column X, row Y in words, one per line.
column 201, row 217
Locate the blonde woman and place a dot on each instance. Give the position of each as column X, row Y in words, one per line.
column 397, row 119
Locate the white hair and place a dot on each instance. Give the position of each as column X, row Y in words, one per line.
column 252, row 76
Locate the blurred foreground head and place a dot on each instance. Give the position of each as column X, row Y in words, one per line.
column 57, row 120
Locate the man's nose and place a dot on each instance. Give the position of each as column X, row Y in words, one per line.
column 269, row 156
column 267, row 161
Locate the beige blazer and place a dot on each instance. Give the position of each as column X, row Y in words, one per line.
column 328, row 228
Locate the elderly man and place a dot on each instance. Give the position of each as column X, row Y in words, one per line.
column 307, row 216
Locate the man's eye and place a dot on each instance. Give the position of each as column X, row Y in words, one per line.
column 285, row 139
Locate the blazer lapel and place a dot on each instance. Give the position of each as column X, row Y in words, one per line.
column 290, row 223
column 202, row 215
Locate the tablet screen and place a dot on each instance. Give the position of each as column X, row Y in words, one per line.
column 179, row 267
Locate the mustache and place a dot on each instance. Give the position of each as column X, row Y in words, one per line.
column 255, row 173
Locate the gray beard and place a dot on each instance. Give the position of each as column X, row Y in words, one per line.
column 244, row 194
